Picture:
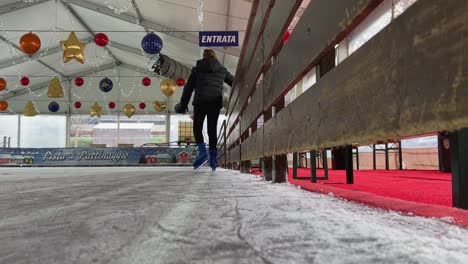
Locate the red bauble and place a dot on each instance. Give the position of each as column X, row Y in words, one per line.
column 79, row 81
column 142, row 105
column 111, row 105
column 77, row 105
column 24, row 81
column 101, row 39
column 146, row 81
column 180, row 82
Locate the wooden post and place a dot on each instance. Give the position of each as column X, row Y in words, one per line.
column 459, row 153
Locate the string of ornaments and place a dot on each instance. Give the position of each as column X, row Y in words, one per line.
column 73, row 49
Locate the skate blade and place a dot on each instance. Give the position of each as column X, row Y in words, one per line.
column 197, row 169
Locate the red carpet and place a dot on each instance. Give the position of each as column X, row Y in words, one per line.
column 423, row 193
column 431, row 187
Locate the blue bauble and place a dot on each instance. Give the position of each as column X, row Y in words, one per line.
column 152, row 43
column 106, row 85
column 54, row 107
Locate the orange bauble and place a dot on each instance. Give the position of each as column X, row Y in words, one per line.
column 3, row 105
column 2, row 84
column 30, row 43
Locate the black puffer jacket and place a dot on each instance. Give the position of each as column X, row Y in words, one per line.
column 207, row 80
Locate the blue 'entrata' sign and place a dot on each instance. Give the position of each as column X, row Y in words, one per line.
column 218, row 38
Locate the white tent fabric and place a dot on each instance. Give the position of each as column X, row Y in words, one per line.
column 125, row 22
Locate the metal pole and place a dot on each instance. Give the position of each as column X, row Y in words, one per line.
column 68, row 116
column 19, row 132
column 168, row 127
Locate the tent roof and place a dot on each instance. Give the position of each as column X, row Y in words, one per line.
column 125, row 22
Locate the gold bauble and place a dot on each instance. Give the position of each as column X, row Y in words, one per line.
column 168, row 87
column 159, row 106
column 55, row 89
column 95, row 110
column 29, row 109
column 73, row 48
column 129, row 110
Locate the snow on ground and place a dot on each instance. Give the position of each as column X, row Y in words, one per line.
column 170, row 215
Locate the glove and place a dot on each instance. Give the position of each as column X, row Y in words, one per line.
column 180, row 109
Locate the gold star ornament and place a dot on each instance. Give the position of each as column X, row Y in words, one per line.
column 73, row 48
column 95, row 110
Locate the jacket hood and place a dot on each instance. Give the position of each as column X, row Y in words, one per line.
column 209, row 65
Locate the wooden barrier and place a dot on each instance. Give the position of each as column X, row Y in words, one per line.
column 408, row 79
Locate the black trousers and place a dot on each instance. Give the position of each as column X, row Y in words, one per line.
column 210, row 110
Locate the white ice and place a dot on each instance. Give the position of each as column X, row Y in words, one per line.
column 171, row 215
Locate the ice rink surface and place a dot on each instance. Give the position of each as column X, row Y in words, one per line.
column 170, row 215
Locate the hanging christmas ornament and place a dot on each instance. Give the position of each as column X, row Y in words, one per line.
column 73, row 48
column 3, row 84
column 29, row 109
column 180, row 82
column 77, row 105
column 79, row 81
column 95, row 110
column 146, row 81
column 142, row 105
column 24, row 81
column 168, row 87
column 106, row 85
column 129, row 110
column 30, row 43
column 54, row 107
column 111, row 105
column 152, row 43
column 101, row 39
column 159, row 106
column 3, row 106
column 55, row 89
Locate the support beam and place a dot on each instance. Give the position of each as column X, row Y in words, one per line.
column 349, row 164
column 18, row 5
column 146, row 24
column 40, row 61
column 22, row 59
column 168, row 127
column 86, row 26
column 138, row 13
column 137, row 69
column 46, row 84
column 459, row 153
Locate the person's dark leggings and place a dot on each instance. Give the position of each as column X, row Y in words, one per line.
column 210, row 110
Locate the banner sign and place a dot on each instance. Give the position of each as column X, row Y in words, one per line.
column 218, row 38
column 97, row 156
